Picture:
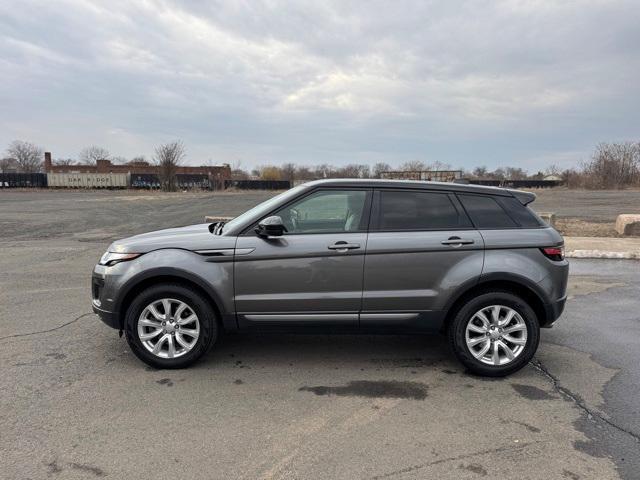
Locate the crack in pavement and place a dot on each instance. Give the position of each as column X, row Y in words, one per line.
column 463, row 456
column 566, row 393
column 47, row 331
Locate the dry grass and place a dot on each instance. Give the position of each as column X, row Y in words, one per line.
column 574, row 227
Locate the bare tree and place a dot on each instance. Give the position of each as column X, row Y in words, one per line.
column 412, row 166
column 480, row 172
column 5, row 164
column 364, row 171
column 515, row 173
column 304, row 173
column 168, row 157
column 90, row 155
column 353, row 170
column 348, row 171
column 380, row 167
column 237, row 172
column 498, row 174
column 437, row 165
column 553, row 169
column 614, row 165
column 325, row 171
column 288, row 172
column 28, row 156
column 139, row 159
column 64, row 161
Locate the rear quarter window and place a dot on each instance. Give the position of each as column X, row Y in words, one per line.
column 486, row 212
column 520, row 213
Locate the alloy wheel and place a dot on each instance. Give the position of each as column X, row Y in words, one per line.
column 168, row 328
column 496, row 335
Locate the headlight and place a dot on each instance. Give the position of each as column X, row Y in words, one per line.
column 111, row 258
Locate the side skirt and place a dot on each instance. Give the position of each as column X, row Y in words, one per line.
column 340, row 322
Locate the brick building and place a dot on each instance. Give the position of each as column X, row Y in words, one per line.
column 217, row 174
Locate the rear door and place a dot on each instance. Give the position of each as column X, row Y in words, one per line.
column 313, row 273
column 421, row 248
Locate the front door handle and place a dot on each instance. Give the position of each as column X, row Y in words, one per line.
column 343, row 246
column 457, row 241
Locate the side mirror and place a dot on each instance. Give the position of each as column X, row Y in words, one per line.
column 271, row 227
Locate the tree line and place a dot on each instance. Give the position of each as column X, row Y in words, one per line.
column 290, row 171
column 612, row 165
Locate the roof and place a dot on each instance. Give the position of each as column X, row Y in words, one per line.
column 553, row 177
column 524, row 197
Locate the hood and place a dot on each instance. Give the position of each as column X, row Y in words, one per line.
column 193, row 237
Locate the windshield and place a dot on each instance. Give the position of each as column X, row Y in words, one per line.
column 260, row 209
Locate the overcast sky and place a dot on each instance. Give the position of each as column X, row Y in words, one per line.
column 495, row 83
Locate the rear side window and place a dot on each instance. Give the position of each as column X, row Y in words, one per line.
column 407, row 210
column 520, row 213
column 485, row 212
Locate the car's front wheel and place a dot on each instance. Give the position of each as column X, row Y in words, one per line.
column 170, row 326
column 495, row 334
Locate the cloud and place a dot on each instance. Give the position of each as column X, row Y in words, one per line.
column 467, row 83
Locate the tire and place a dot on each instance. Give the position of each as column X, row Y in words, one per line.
column 141, row 320
column 466, row 341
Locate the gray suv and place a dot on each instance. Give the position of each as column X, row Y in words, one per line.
column 368, row 256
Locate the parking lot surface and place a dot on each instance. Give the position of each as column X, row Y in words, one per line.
column 75, row 403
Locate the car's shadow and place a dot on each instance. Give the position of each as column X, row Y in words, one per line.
column 378, row 351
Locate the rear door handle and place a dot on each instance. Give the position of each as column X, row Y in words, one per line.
column 457, row 241
column 343, row 246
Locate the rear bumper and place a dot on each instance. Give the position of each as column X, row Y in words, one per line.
column 553, row 311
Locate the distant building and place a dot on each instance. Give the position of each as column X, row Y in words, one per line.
column 554, row 178
column 217, row 174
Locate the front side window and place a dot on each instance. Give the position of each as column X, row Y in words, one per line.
column 326, row 211
column 413, row 210
column 261, row 208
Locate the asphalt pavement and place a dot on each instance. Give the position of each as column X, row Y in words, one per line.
column 75, row 403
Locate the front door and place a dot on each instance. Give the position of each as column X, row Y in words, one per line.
column 313, row 273
column 421, row 248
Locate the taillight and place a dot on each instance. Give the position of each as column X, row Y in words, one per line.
column 554, row 253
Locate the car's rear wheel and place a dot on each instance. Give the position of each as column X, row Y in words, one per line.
column 170, row 326
column 494, row 334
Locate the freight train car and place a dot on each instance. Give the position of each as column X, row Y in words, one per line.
column 88, row 180
column 23, row 180
column 258, row 184
column 148, row 181
column 516, row 183
column 184, row 181
column 187, row 181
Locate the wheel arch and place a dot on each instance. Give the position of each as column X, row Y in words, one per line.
column 521, row 286
column 175, row 276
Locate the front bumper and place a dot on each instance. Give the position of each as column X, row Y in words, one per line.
column 109, row 318
column 102, row 298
